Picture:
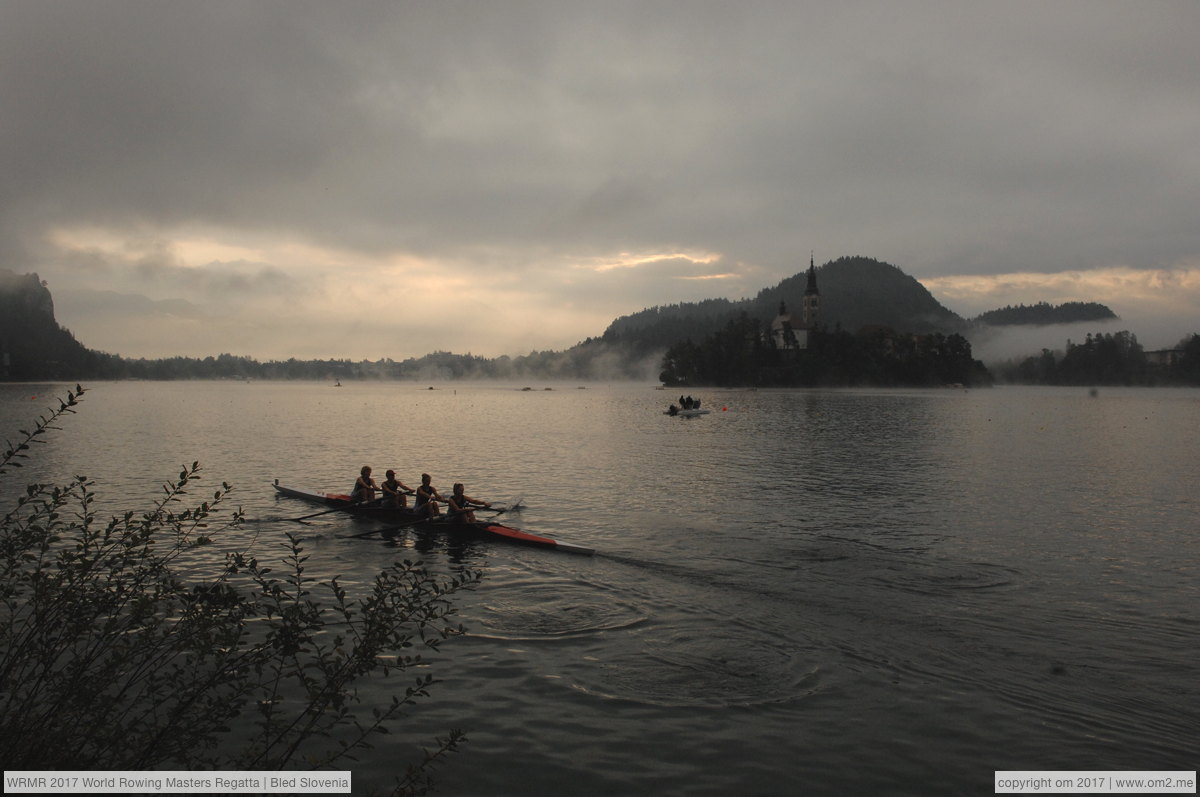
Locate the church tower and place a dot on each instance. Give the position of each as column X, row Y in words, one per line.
column 790, row 334
column 812, row 297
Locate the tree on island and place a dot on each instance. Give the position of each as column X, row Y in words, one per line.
column 742, row 354
column 1187, row 368
column 1109, row 359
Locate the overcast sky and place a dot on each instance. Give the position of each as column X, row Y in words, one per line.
column 386, row 179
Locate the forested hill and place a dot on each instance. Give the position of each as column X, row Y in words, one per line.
column 32, row 344
column 858, row 292
column 659, row 327
column 855, row 292
column 1043, row 314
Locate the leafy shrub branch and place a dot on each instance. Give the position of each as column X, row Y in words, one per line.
column 133, row 644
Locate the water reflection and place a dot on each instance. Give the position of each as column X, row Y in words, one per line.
column 935, row 576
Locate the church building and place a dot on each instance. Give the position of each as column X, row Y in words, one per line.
column 789, row 333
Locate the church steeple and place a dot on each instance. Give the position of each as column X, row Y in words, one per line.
column 812, row 296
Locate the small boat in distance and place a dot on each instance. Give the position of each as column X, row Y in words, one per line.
column 685, row 413
column 688, row 407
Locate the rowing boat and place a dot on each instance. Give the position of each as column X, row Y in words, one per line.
column 687, row 413
column 407, row 517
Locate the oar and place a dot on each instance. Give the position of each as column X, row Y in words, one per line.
column 456, row 513
column 381, row 531
column 499, row 509
column 414, row 522
column 342, row 508
column 366, row 534
column 512, row 506
column 449, row 516
column 318, row 514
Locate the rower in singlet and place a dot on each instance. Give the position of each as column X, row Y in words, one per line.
column 364, row 486
column 394, row 491
column 427, row 497
column 460, row 504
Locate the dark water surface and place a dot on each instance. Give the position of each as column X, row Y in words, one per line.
column 803, row 592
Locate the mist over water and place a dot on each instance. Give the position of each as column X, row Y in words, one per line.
column 818, row 592
column 993, row 345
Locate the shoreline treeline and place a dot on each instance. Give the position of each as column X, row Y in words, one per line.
column 1108, row 359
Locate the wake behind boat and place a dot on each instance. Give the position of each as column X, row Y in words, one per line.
column 340, row 502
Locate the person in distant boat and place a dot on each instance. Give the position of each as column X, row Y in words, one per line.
column 672, row 410
column 394, row 491
column 461, row 504
column 364, row 487
column 427, row 497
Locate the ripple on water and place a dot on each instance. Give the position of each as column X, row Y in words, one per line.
column 552, row 611
column 680, row 668
column 947, row 578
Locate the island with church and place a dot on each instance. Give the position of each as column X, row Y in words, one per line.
column 922, row 348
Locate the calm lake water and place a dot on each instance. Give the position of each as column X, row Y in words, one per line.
column 814, row 592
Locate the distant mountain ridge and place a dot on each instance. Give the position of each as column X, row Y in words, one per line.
column 855, row 292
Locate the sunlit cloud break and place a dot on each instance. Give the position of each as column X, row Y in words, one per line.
column 629, row 260
column 708, row 277
column 1119, row 287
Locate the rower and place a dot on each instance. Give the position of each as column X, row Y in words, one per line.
column 427, row 497
column 461, row 504
column 364, row 487
column 394, row 491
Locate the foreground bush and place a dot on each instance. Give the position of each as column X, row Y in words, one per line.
column 110, row 658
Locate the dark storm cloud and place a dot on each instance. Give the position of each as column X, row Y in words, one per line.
column 137, row 112
column 392, row 123
column 520, row 137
